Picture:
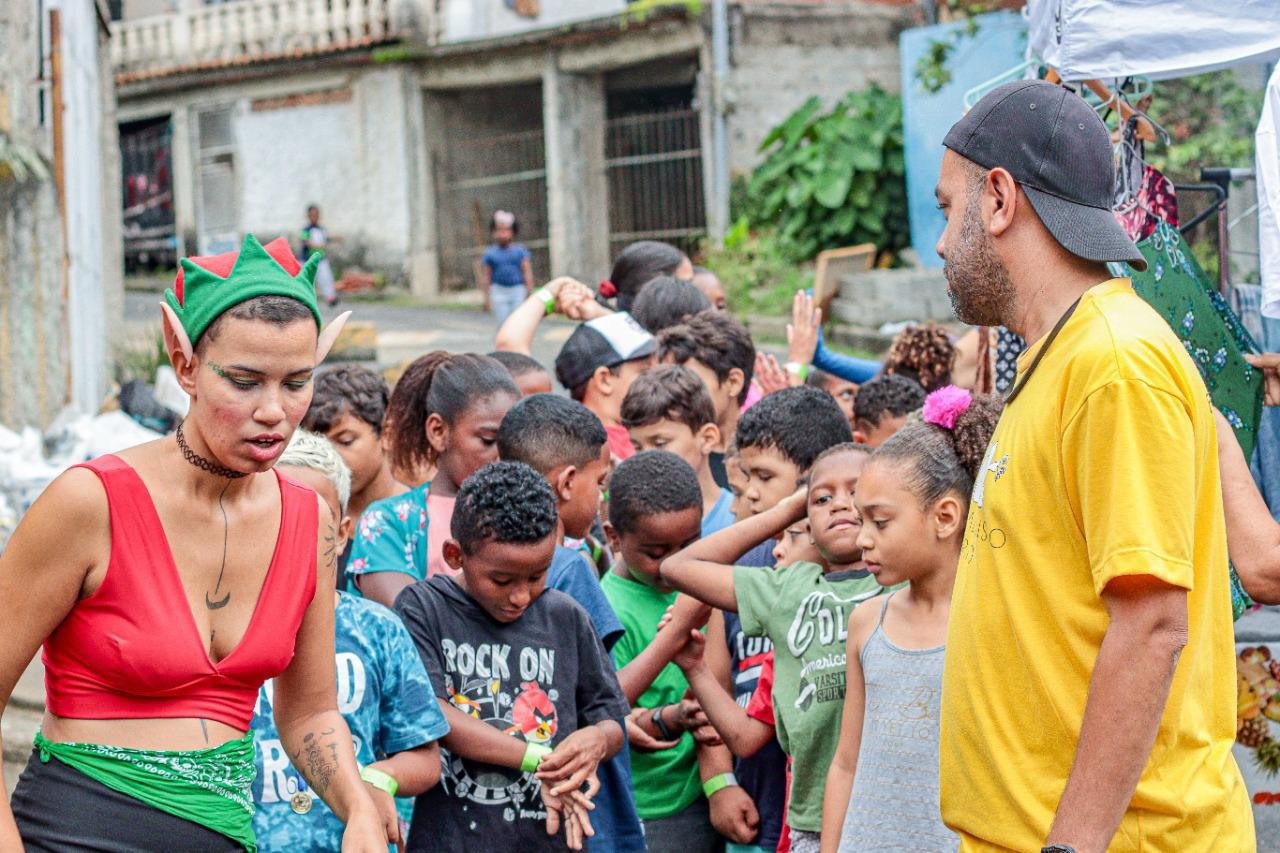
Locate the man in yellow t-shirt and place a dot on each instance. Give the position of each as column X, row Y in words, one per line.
column 1089, row 690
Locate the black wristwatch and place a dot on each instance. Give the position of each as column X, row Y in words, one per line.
column 666, row 732
column 1058, row 848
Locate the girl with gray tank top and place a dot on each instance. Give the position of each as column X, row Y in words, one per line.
column 913, row 497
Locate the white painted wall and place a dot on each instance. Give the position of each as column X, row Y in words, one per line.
column 82, row 123
column 349, row 158
column 286, row 159
column 474, row 19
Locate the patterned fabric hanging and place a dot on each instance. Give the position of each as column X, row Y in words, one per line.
column 1008, row 347
column 1213, row 335
column 1155, row 202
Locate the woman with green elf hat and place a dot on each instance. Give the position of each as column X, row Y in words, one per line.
column 169, row 581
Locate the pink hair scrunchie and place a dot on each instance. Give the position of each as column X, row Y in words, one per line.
column 945, row 406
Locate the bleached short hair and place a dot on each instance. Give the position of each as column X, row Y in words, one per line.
column 312, row 450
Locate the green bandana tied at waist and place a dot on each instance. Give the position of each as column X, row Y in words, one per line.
column 211, row 787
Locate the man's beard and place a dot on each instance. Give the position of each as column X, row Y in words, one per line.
column 977, row 283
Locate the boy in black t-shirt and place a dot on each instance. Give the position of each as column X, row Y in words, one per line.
column 531, row 697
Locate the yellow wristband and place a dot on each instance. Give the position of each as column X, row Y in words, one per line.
column 533, row 755
column 380, row 780
column 716, row 784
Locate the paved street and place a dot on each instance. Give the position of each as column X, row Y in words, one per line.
column 403, row 331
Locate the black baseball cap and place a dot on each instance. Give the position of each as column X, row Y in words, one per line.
column 1058, row 150
column 603, row 342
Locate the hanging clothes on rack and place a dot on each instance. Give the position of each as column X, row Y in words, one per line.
column 1144, row 196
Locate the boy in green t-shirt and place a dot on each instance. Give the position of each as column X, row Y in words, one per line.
column 803, row 608
column 655, row 510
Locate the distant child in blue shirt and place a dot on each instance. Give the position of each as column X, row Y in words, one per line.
column 506, row 269
column 384, row 694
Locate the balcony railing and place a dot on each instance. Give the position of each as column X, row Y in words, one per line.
column 247, row 31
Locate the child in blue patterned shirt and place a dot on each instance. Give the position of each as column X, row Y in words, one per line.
column 384, row 694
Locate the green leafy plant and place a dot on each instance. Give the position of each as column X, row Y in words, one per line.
column 931, row 69
column 1216, row 119
column 139, row 356
column 760, row 278
column 640, row 10
column 1212, row 122
column 833, row 178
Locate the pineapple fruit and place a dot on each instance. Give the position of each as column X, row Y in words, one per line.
column 1253, row 733
column 1267, row 757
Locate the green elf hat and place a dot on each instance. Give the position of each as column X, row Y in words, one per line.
column 206, row 287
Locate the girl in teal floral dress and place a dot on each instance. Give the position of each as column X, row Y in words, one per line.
column 444, row 413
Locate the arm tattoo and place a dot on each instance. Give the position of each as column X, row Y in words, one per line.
column 329, row 552
column 311, row 760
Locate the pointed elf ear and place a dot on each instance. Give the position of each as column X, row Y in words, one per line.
column 175, row 336
column 329, row 334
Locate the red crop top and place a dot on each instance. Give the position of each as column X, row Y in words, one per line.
column 131, row 650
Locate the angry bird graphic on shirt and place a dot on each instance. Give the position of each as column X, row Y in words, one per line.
column 533, row 714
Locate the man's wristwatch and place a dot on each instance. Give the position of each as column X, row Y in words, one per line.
column 1058, row 848
column 661, row 726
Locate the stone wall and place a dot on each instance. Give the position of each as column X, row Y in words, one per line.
column 784, row 52
column 33, row 363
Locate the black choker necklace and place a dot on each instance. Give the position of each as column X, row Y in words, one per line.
column 204, row 464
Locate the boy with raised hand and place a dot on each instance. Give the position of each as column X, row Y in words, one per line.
column 669, row 408
column 803, row 608
column 565, row 443
column 529, row 692
column 718, row 348
column 383, row 693
column 685, row 788
column 881, row 407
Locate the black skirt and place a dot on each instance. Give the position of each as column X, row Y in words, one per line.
column 60, row 810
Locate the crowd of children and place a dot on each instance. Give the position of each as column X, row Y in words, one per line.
column 674, row 607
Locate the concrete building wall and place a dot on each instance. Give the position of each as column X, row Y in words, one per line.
column 348, row 155
column 53, row 289
column 289, row 157
column 472, row 19
column 339, row 139
column 90, row 277
column 33, row 364
column 782, row 53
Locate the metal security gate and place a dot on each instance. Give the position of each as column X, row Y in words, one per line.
column 654, row 166
column 481, row 175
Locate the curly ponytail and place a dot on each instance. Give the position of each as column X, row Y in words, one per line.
column 444, row 384
column 944, row 448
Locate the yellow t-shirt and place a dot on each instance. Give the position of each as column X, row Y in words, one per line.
column 1105, row 465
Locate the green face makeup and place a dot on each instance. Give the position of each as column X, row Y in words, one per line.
column 221, row 372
